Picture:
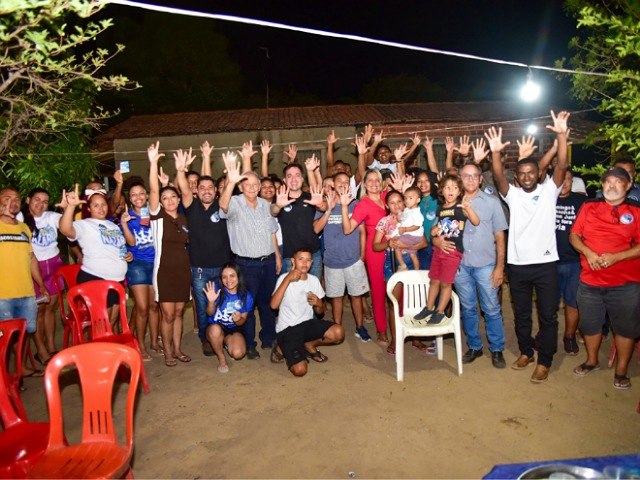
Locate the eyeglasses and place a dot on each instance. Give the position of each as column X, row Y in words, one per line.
column 470, row 176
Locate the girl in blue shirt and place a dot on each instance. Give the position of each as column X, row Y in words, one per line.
column 227, row 310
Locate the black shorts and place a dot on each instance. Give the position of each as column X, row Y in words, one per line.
column 112, row 297
column 292, row 339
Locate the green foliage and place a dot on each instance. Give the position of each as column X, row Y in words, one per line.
column 609, row 44
column 51, row 71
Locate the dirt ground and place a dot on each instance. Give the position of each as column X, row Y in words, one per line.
column 351, row 416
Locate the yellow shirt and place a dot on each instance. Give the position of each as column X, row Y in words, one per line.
column 15, row 259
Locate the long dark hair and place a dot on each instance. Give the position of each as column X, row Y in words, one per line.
column 28, row 218
column 242, row 290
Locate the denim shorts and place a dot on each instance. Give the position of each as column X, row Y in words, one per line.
column 568, row 281
column 139, row 273
column 24, row 307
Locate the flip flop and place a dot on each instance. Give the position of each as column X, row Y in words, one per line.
column 146, row 357
column 170, row 362
column 223, row 369
column 621, row 382
column 421, row 347
column 276, row 356
column 318, row 356
column 391, row 350
column 34, row 373
column 583, row 369
column 184, row 358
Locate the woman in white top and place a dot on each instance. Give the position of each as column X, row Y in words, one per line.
column 103, row 245
column 44, row 241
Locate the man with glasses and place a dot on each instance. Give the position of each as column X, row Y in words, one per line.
column 481, row 270
column 252, row 233
column 607, row 236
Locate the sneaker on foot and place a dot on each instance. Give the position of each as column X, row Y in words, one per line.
column 571, row 345
column 436, row 318
column 362, row 334
column 252, row 354
column 424, row 313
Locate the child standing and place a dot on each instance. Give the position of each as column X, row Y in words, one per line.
column 444, row 266
column 227, row 310
column 410, row 230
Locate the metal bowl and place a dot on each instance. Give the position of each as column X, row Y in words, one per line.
column 561, row 471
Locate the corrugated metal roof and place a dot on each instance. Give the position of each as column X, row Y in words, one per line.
column 194, row 123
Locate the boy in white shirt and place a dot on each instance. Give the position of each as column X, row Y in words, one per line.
column 298, row 294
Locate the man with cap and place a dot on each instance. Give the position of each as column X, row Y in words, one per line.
column 607, row 236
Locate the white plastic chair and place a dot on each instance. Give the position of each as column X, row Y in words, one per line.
column 414, row 297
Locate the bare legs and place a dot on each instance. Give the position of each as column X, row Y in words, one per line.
column 235, row 343
column 171, row 331
column 145, row 311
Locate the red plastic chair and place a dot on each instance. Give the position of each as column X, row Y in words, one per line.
column 94, row 295
column 21, row 442
column 64, row 278
column 98, row 455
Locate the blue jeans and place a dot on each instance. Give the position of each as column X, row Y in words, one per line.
column 424, row 256
column 259, row 279
column 24, row 307
column 473, row 283
column 199, row 279
column 316, row 267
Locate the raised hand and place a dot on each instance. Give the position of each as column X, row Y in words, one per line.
column 282, row 197
column 400, row 152
column 449, row 144
column 559, row 122
column 361, row 145
column 247, row 150
column 316, row 196
column 464, row 147
column 73, row 197
column 407, row 181
column 479, row 150
column 291, row 152
column 428, row 143
column 125, row 217
column 332, row 200
column 117, row 176
column 345, row 199
column 265, row 147
column 181, row 159
column 312, row 163
column 331, row 138
column 368, row 133
column 378, row 137
column 466, row 205
column 526, row 147
column 494, row 137
column 153, row 152
column 206, row 149
column 211, row 293
column 232, row 167
column 163, row 178
column 415, row 139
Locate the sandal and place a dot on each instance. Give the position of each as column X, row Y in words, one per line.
column 146, row 357
column 170, row 362
column 276, row 356
column 223, row 369
column 418, row 345
column 318, row 356
column 184, row 358
column 158, row 349
column 391, row 350
column 39, row 359
column 621, row 382
column 584, row 369
column 34, row 373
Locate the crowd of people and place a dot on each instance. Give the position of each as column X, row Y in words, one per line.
column 288, row 247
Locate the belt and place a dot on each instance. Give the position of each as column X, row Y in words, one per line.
column 257, row 259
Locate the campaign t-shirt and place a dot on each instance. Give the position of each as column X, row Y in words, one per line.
column 45, row 240
column 566, row 214
column 103, row 248
column 232, row 303
column 143, row 250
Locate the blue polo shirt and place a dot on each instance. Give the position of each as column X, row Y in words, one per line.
column 479, row 241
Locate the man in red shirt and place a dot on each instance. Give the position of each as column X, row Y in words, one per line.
column 607, row 236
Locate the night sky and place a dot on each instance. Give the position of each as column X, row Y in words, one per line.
column 335, row 70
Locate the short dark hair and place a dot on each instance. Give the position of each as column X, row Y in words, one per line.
column 192, row 172
column 525, row 161
column 413, row 189
column 205, row 178
column 302, row 250
column 445, row 179
column 290, row 166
